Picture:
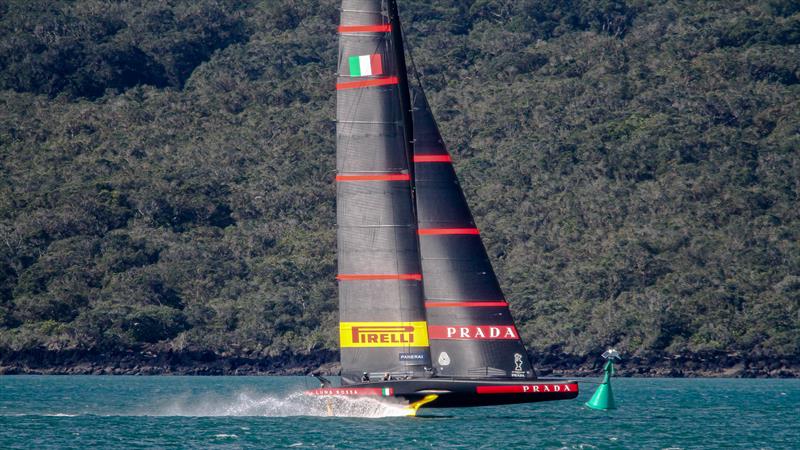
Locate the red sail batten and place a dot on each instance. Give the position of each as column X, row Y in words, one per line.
column 432, row 159
column 442, row 231
column 393, row 177
column 465, row 304
column 387, row 28
column 370, row 277
column 367, row 83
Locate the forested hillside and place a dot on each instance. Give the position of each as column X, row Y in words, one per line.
column 166, row 174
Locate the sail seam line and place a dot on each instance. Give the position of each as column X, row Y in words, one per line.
column 367, row 122
column 363, row 11
column 377, row 226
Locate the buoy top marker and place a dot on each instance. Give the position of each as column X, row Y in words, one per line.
column 603, row 398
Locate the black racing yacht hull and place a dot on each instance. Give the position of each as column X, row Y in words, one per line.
column 455, row 393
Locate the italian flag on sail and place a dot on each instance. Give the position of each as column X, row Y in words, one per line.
column 365, row 65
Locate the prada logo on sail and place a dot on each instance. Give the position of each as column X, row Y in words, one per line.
column 473, row 332
column 383, row 334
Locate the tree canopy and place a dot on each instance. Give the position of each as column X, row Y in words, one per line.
column 166, row 170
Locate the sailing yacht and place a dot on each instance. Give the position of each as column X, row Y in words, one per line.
column 422, row 316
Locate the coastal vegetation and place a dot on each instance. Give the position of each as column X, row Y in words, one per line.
column 166, row 172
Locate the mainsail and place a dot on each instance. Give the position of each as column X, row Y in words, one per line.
column 382, row 317
column 414, row 277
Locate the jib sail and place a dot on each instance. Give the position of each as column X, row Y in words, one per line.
column 470, row 328
column 382, row 317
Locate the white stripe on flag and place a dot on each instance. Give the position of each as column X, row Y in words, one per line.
column 365, row 65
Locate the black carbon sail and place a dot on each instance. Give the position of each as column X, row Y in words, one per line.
column 382, row 317
column 414, row 278
column 471, row 331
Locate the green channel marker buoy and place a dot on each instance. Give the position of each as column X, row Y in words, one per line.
column 603, row 398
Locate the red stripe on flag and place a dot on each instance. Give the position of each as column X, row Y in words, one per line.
column 463, row 304
column 365, row 28
column 367, row 83
column 366, row 277
column 432, row 158
column 438, row 231
column 376, row 61
column 395, row 177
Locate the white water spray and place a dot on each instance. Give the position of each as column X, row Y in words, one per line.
column 296, row 404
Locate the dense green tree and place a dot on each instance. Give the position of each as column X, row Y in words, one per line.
column 166, row 171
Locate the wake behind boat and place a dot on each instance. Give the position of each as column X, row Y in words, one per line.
column 422, row 317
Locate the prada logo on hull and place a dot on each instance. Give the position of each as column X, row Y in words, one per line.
column 539, row 388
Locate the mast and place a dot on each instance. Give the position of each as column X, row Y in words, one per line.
column 405, row 95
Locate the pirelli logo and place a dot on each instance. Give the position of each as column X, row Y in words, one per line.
column 383, row 334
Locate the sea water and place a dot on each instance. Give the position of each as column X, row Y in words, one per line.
column 43, row 412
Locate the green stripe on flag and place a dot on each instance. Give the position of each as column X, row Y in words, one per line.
column 355, row 67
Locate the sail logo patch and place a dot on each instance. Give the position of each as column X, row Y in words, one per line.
column 383, row 334
column 473, row 332
column 414, row 358
column 518, row 372
column 365, row 65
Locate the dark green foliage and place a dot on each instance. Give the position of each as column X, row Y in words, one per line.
column 84, row 48
column 166, row 170
column 153, row 323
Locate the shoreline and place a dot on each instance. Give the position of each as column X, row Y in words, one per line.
column 145, row 362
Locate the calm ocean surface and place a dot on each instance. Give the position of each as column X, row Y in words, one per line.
column 263, row 412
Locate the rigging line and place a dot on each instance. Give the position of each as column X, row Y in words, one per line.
column 362, row 11
column 376, row 226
